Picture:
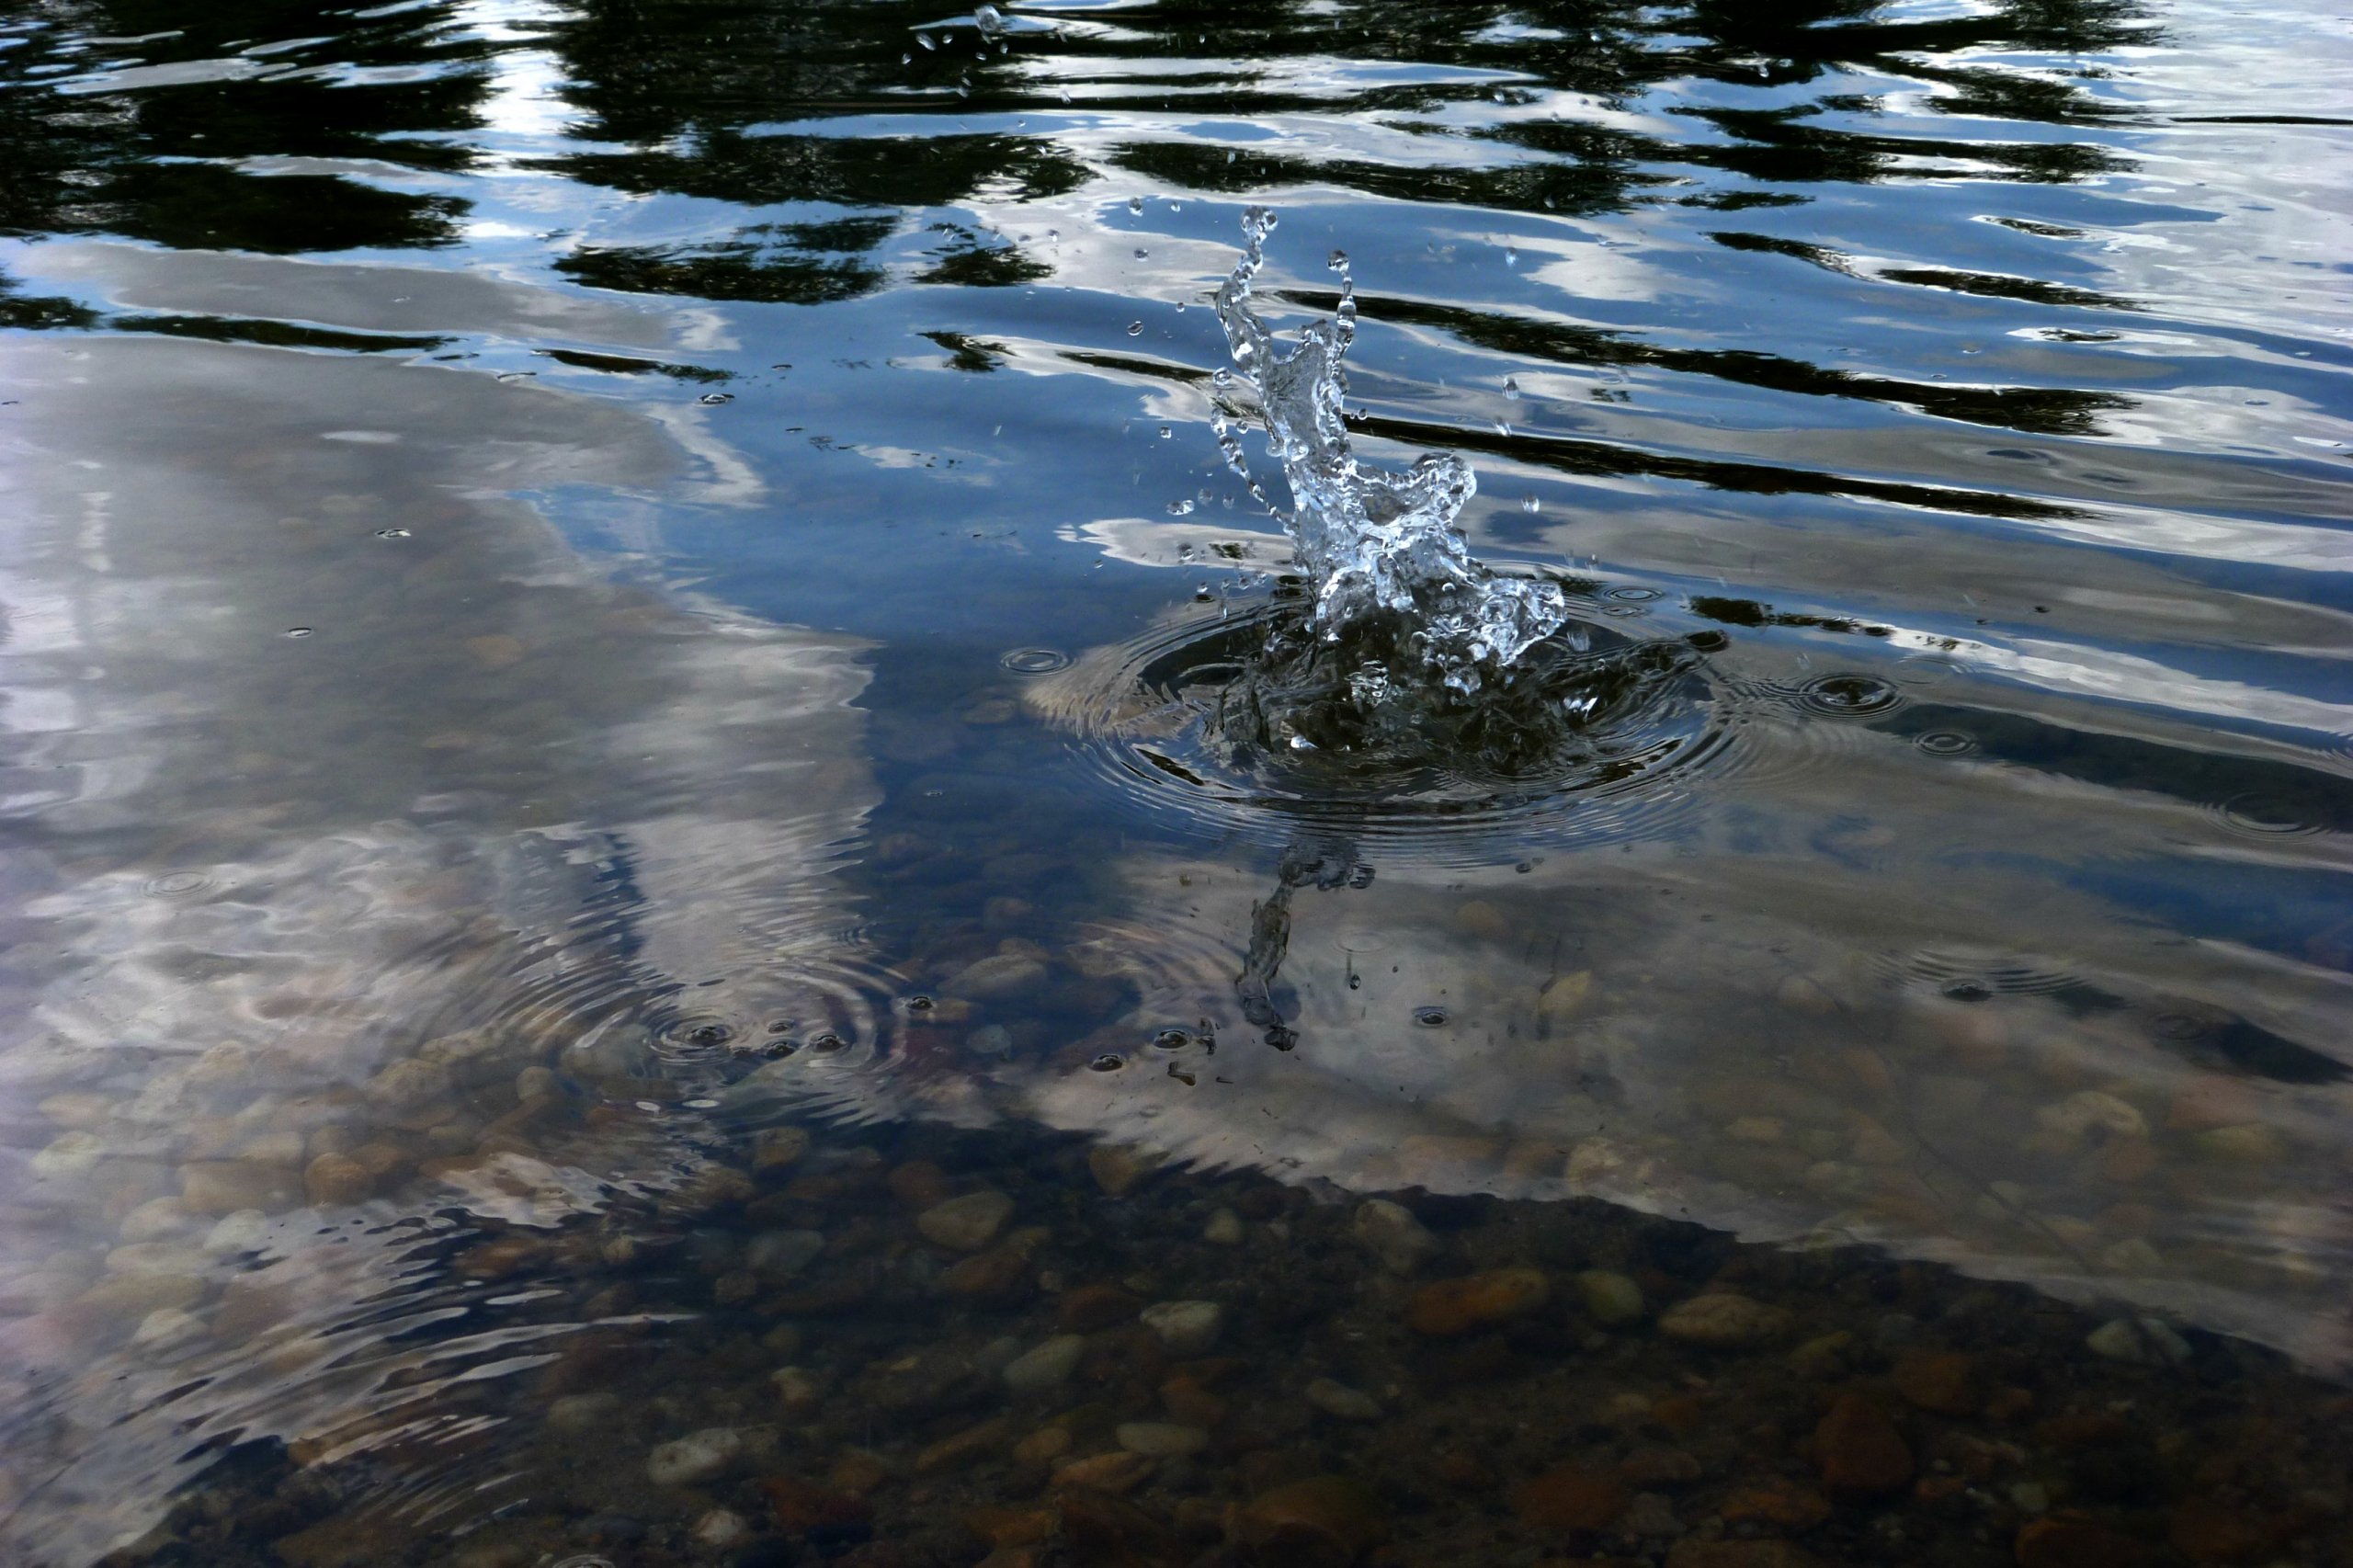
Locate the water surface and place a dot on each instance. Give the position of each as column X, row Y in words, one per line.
column 592, row 587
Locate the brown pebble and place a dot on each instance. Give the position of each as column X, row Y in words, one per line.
column 803, row 1505
column 1457, row 1306
column 500, row 1256
column 1859, row 1450
column 963, row 1447
column 1086, row 1308
column 1941, row 1380
column 1188, row 1402
column 1324, row 1521
column 1678, row 1412
column 1740, row 1554
column 2213, row 1100
column 1010, row 1526
column 856, row 1473
column 1044, row 1446
column 2127, row 1160
column 337, row 1178
column 919, row 1184
column 1658, row 1466
column 1783, row 1503
column 1099, row 1528
column 1725, row 1320
column 1113, row 1472
column 2205, row 1531
column 2075, row 1543
column 1118, row 1169
column 1465, row 1470
column 1568, row 1498
column 1000, row 1275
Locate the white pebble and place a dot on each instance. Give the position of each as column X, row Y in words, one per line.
column 1187, row 1328
column 721, row 1530
column 1391, row 1233
column 697, row 1456
column 2146, row 1341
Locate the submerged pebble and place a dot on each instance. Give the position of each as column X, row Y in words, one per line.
column 1047, row 1366
column 1185, row 1328
column 695, row 1458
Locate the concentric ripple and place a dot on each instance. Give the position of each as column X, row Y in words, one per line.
column 1156, row 717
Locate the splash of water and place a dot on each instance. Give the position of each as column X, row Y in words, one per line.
column 1385, row 552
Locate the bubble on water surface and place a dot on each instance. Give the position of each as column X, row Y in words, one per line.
column 1431, row 1017
column 297, row 631
column 1136, row 329
column 177, row 884
column 391, row 533
column 1035, row 661
column 1946, row 742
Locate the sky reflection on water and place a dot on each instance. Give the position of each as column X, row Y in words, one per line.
column 660, row 421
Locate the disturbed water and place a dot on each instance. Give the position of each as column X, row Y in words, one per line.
column 688, row 880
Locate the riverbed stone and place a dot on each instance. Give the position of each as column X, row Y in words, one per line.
column 1342, row 1402
column 776, row 1255
column 337, row 1179
column 1324, row 1521
column 966, row 1223
column 1161, row 1439
column 696, row 1458
column 1047, row 1367
column 225, row 1186
column 1568, row 1497
column 2090, row 1111
column 1726, row 1319
column 1452, row 1307
column 2145, row 1341
column 1118, row 1168
column 1115, row 1472
column 1860, row 1450
column 1185, row 1328
column 1391, row 1233
column 1611, row 1300
column 997, row 977
column 1944, row 1381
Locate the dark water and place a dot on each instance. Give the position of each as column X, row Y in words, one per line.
column 614, row 621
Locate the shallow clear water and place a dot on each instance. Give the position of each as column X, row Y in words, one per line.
column 591, row 589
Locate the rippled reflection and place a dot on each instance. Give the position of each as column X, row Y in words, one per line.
column 612, row 611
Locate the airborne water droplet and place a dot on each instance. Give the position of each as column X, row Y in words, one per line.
column 1511, row 387
column 927, row 40
column 1167, row 432
column 1135, row 203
